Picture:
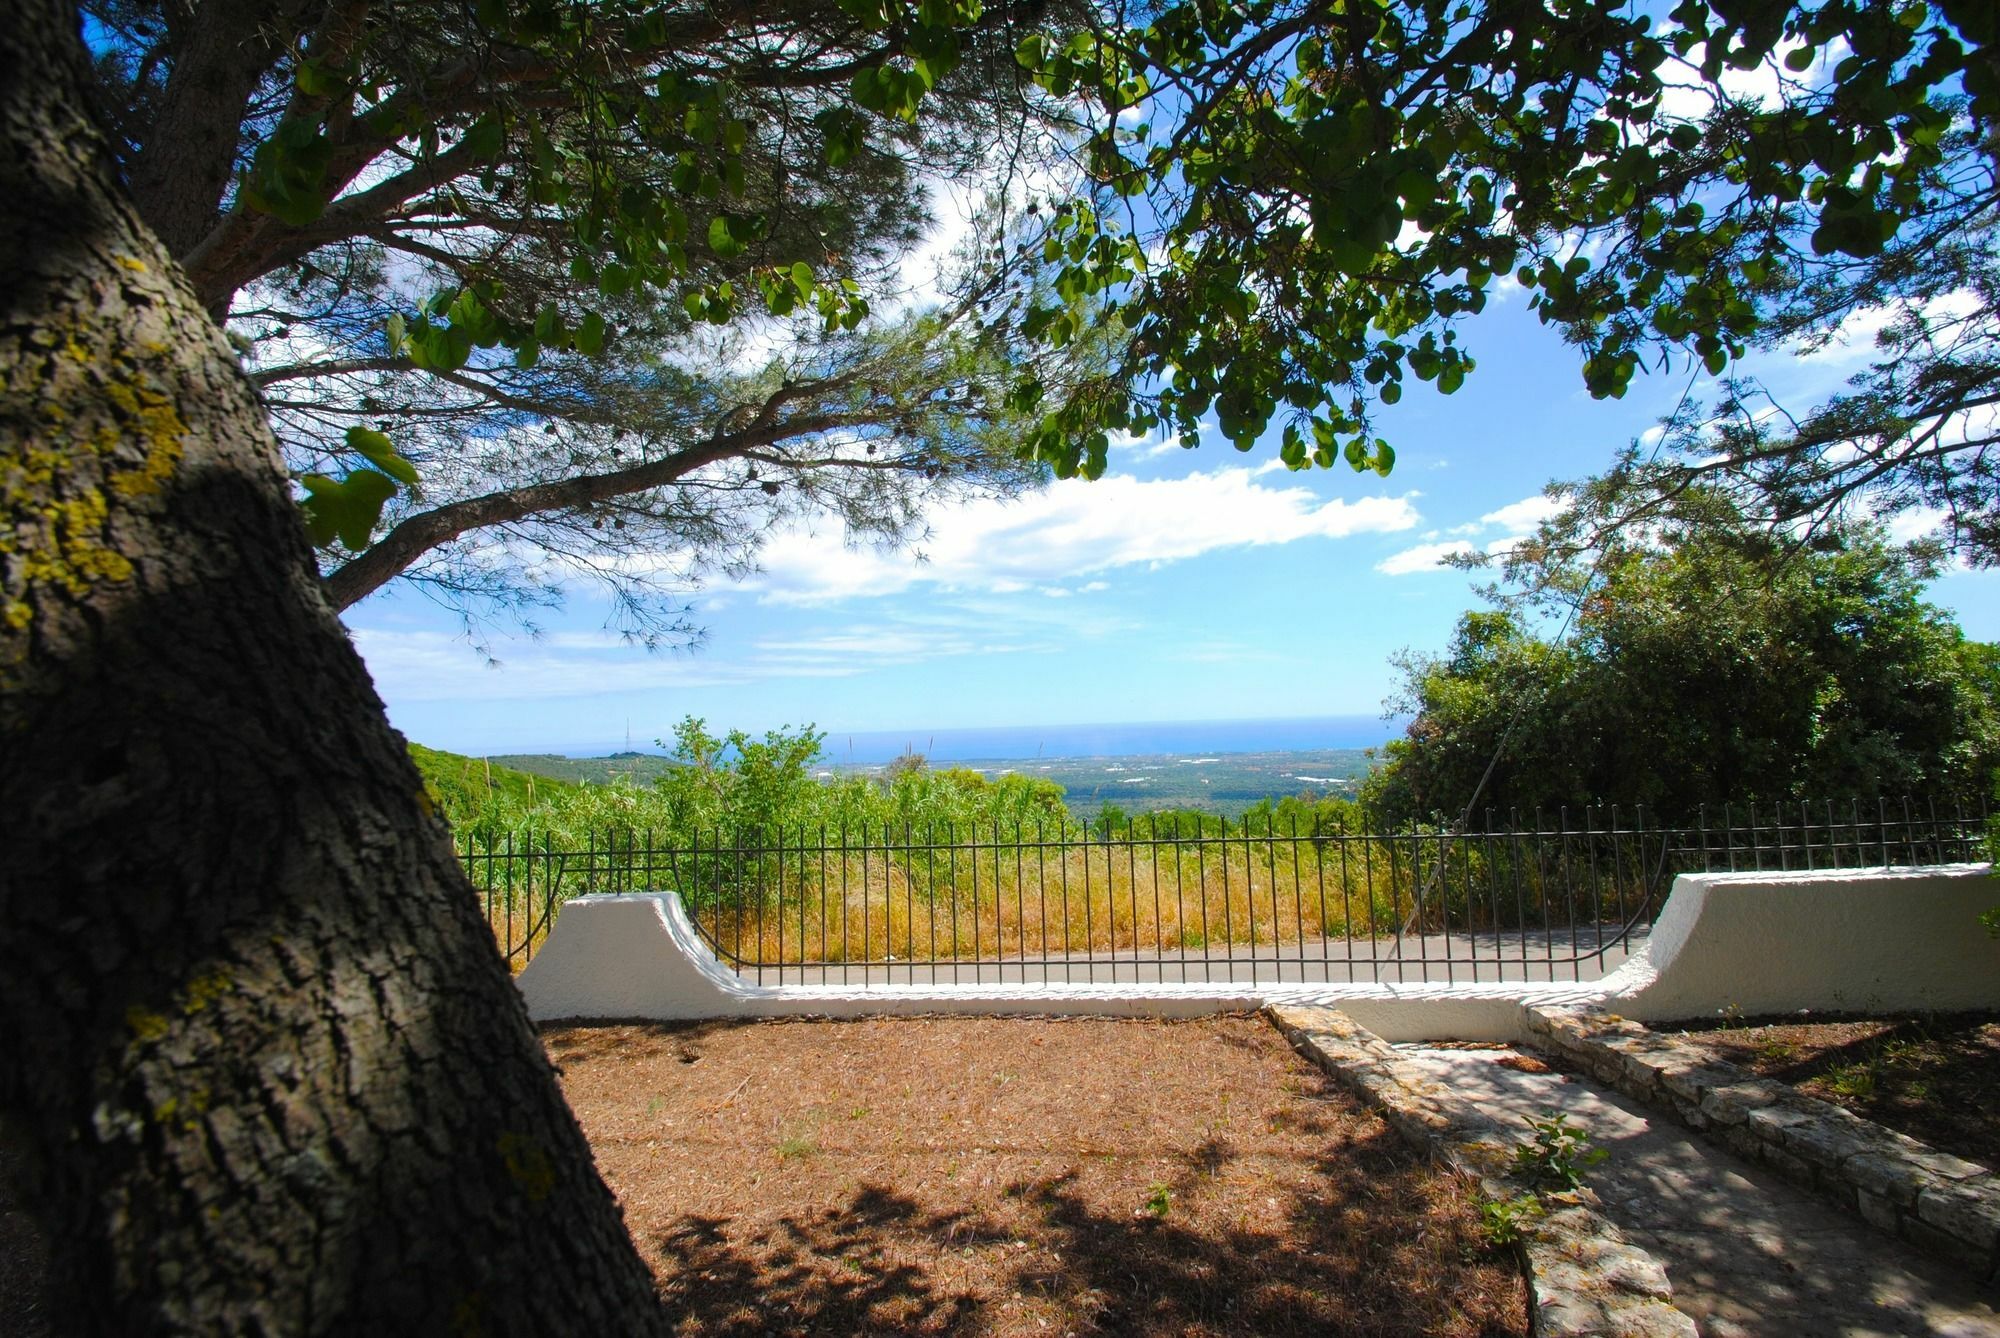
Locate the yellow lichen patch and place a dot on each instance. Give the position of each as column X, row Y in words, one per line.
column 58, row 489
column 528, row 1165
column 158, row 425
column 205, row 989
column 189, row 1109
column 74, row 560
column 133, row 263
column 145, row 1024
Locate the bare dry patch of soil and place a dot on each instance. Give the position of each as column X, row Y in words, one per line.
column 1007, row 1176
column 1935, row 1077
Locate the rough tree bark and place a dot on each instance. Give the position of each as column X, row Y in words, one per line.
column 269, row 1072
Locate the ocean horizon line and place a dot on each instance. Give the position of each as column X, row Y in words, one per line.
column 1102, row 739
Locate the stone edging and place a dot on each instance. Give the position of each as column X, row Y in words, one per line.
column 1940, row 1203
column 1585, row 1279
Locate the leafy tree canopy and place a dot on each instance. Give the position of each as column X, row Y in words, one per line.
column 1709, row 662
column 1299, row 205
column 538, row 290
column 475, row 247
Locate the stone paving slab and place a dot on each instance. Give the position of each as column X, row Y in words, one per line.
column 1748, row 1254
column 1942, row 1204
column 1585, row 1278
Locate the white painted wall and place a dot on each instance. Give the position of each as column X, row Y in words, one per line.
column 1761, row 943
column 640, row 957
column 1838, row 940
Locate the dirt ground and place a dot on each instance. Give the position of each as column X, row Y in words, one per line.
column 1935, row 1077
column 978, row 1176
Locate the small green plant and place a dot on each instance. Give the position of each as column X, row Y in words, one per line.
column 794, row 1146
column 1158, row 1201
column 1501, row 1220
column 1777, row 1051
column 1852, row 1080
column 1557, row 1152
column 1729, row 1017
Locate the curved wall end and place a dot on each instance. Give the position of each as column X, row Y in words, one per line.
column 1834, row 940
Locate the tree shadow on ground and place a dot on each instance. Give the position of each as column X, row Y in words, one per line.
column 1362, row 1246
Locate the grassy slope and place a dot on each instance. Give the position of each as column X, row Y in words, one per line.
column 642, row 768
column 462, row 786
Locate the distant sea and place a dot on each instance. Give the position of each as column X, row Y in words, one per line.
column 1148, row 738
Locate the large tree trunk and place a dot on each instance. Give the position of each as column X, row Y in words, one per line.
column 267, row 1067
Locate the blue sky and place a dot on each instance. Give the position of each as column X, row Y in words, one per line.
column 1184, row 585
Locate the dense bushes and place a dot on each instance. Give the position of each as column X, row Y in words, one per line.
column 1724, row 667
column 739, row 787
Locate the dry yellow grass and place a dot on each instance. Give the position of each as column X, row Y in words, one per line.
column 1028, row 901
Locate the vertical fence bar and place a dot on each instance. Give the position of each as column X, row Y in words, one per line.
column 951, row 881
column 1041, row 898
column 1298, row 897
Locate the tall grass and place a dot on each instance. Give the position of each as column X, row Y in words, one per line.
column 1011, row 891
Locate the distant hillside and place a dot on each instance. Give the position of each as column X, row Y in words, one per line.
column 465, row 787
column 639, row 768
column 1224, row 783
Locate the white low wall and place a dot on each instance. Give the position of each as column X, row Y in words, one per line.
column 641, row 958
column 1760, row 943
column 1838, row 940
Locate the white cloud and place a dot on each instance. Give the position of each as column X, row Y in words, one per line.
column 1916, row 523
column 1520, row 518
column 1515, row 521
column 1689, row 96
column 1856, row 339
column 412, row 666
column 1072, row 529
column 1423, row 557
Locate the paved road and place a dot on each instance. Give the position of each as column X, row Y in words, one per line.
column 1429, row 959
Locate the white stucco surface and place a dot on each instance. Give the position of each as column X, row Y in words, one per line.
column 640, row 957
column 1760, row 943
column 1830, row 940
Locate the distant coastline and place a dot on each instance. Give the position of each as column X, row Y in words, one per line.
column 860, row 748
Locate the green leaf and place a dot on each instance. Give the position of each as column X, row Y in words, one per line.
column 345, row 509
column 318, row 81
column 486, row 139
column 381, row 452
column 590, row 335
column 397, row 331
column 722, row 240
column 802, row 279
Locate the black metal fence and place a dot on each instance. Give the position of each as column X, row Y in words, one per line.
column 1522, row 898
